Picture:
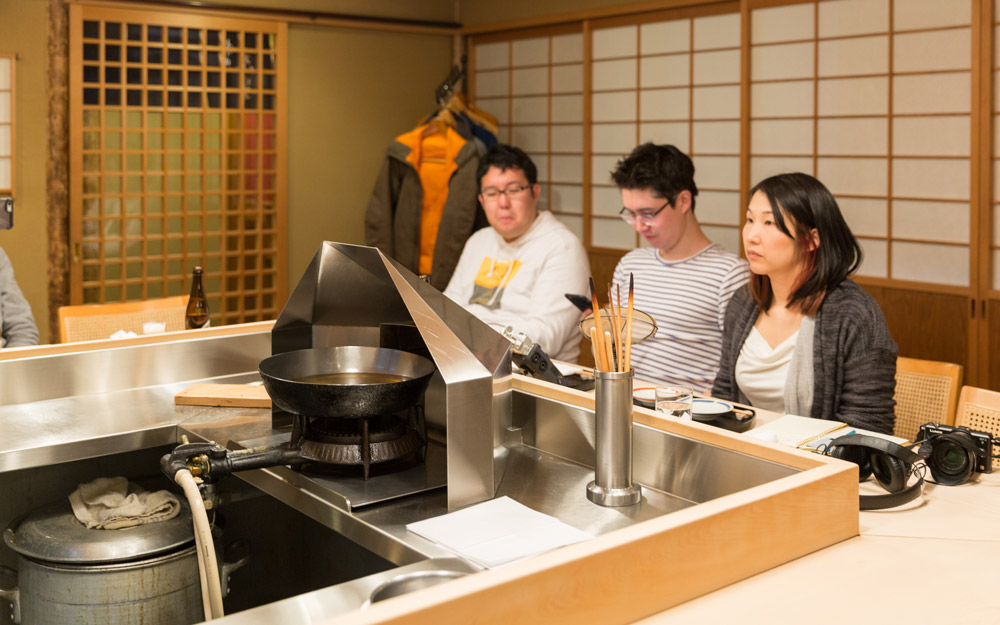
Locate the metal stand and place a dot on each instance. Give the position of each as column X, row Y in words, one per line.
column 613, row 441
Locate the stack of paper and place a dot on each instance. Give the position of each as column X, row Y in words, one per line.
column 797, row 431
column 497, row 532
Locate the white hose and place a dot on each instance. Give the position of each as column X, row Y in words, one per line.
column 208, row 566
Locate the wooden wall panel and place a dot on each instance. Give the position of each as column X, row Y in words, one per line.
column 930, row 326
column 991, row 376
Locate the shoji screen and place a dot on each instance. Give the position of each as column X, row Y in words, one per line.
column 668, row 81
column 873, row 98
column 534, row 86
column 6, row 123
column 177, row 159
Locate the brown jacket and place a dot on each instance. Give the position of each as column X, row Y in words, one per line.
column 392, row 221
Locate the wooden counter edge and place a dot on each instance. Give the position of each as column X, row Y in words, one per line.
column 146, row 339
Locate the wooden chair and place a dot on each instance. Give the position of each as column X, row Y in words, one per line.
column 979, row 409
column 89, row 322
column 926, row 392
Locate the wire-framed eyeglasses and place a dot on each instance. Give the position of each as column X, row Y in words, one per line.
column 645, row 218
column 513, row 192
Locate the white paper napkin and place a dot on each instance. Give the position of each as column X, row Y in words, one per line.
column 498, row 531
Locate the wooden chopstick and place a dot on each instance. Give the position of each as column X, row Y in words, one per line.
column 609, row 345
column 627, row 347
column 603, row 365
column 615, row 331
column 618, row 330
column 593, row 346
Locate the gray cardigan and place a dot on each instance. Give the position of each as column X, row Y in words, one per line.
column 17, row 326
column 853, row 357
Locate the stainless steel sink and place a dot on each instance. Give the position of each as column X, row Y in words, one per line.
column 549, row 472
column 549, row 461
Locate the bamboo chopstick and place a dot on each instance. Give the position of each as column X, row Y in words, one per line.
column 627, row 347
column 593, row 346
column 616, row 339
column 599, row 336
column 609, row 345
column 618, row 330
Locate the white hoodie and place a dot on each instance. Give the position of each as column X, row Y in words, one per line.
column 522, row 283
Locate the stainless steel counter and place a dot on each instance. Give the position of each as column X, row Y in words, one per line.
column 66, row 407
column 548, row 455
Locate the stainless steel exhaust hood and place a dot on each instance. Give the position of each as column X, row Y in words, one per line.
column 356, row 295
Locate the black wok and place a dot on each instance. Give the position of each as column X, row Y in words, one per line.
column 366, row 381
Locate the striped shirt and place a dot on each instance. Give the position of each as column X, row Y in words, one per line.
column 688, row 300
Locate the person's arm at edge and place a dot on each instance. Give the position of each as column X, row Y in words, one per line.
column 19, row 329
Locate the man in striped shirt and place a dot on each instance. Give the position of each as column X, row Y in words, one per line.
column 682, row 279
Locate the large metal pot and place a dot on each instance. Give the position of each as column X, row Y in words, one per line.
column 70, row 574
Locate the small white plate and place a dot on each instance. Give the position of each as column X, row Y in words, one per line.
column 645, row 395
column 706, row 406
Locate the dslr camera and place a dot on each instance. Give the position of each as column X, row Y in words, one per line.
column 954, row 454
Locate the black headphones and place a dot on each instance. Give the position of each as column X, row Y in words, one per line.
column 891, row 464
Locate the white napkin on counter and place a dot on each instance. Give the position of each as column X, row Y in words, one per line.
column 498, row 531
column 110, row 503
column 123, row 334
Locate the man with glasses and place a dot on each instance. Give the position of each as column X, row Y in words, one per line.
column 682, row 279
column 516, row 272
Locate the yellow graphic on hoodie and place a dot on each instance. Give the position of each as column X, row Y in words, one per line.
column 491, row 280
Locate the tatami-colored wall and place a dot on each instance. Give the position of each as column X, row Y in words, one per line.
column 350, row 92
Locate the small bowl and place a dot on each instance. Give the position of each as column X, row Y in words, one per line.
column 409, row 582
column 706, row 406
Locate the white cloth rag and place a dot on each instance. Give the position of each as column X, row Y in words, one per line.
column 110, row 503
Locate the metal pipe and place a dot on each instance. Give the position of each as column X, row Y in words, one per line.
column 257, row 458
column 613, row 484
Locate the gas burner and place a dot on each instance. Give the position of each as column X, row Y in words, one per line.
column 341, row 445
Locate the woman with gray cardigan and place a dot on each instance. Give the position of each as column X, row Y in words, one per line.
column 801, row 338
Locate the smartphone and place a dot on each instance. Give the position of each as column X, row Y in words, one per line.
column 580, row 301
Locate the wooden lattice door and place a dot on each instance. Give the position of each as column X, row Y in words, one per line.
column 178, row 159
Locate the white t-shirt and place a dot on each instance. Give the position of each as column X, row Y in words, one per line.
column 688, row 300
column 522, row 283
column 761, row 371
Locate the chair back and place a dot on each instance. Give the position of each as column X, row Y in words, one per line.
column 926, row 392
column 979, row 409
column 89, row 322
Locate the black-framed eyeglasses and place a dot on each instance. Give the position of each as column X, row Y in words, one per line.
column 645, row 217
column 513, row 192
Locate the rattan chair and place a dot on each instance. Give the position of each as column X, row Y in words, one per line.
column 926, row 392
column 91, row 322
column 979, row 409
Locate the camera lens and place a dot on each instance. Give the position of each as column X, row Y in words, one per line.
column 952, row 461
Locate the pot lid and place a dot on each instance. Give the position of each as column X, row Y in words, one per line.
column 53, row 534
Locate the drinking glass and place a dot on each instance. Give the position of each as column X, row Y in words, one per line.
column 674, row 401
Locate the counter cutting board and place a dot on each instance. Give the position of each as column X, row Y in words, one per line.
column 239, row 395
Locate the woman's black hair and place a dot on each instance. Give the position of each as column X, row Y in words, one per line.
column 810, row 206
